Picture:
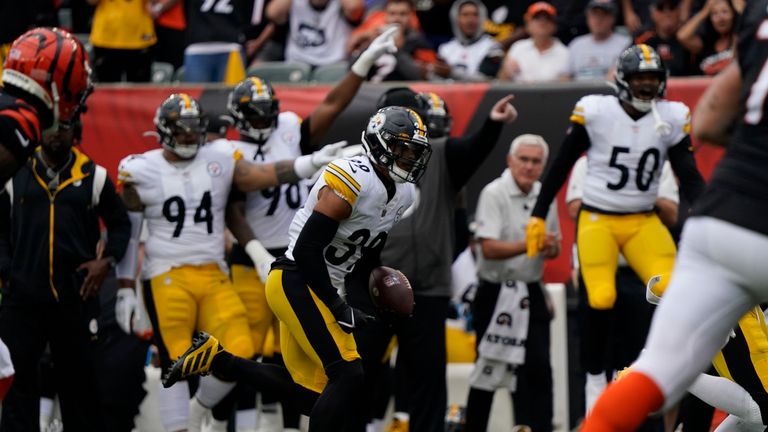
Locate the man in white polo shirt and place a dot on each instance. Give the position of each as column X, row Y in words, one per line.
column 503, row 209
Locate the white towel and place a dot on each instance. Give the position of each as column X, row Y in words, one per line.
column 490, row 375
column 504, row 340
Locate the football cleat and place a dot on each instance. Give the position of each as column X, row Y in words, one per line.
column 196, row 360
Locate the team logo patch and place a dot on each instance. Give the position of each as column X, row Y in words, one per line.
column 214, row 169
column 399, row 214
column 378, row 121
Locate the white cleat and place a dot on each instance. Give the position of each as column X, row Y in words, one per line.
column 593, row 389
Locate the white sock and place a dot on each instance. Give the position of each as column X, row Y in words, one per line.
column 376, row 425
column 217, row 425
column 173, row 406
column 247, row 419
column 46, row 412
column 728, row 396
column 212, row 390
column 594, row 386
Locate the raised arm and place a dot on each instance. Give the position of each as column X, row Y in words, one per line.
column 718, row 106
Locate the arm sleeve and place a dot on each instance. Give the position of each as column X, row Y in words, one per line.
column 684, row 166
column 464, row 155
column 575, row 143
column 115, row 217
column 305, row 142
column 318, row 232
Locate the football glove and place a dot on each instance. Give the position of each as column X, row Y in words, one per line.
column 262, row 260
column 349, row 318
column 306, row 166
column 650, row 296
column 535, row 233
column 384, row 43
column 126, row 309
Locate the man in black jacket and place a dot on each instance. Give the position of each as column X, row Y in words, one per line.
column 51, row 275
column 421, row 246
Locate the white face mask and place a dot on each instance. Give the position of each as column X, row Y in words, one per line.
column 185, row 151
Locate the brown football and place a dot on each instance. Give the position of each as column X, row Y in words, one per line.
column 390, row 291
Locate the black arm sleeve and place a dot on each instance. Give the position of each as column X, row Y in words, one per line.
column 318, row 232
column 5, row 235
column 575, row 143
column 115, row 217
column 684, row 166
column 464, row 155
column 305, row 142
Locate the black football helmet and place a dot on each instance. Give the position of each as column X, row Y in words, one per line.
column 181, row 125
column 254, row 108
column 396, row 138
column 635, row 60
column 439, row 120
column 405, row 97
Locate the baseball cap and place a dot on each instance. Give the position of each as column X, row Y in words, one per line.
column 540, row 7
column 607, row 5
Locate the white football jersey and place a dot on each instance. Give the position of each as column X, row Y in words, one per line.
column 184, row 205
column 354, row 180
column 626, row 156
column 269, row 211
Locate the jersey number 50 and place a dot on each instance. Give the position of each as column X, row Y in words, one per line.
column 642, row 184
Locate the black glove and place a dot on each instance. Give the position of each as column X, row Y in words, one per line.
column 349, row 318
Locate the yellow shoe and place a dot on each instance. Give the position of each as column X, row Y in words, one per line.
column 398, row 425
column 195, row 361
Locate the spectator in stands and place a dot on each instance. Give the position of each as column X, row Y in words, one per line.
column 541, row 57
column 665, row 15
column 635, row 14
column 710, row 35
column 507, row 278
column 471, row 53
column 318, row 30
column 415, row 58
column 16, row 17
column 122, row 36
column 170, row 25
column 216, row 37
column 505, row 21
column 593, row 56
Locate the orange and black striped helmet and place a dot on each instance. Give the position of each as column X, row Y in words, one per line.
column 50, row 64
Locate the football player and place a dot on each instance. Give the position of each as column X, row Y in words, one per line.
column 627, row 139
column 46, row 81
column 345, row 219
column 260, row 220
column 182, row 189
column 720, row 273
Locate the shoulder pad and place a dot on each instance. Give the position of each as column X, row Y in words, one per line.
column 348, row 177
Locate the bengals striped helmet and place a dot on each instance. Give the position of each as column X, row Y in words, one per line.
column 51, row 65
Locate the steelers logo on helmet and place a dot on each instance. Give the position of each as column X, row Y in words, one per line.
column 181, row 125
column 439, row 121
column 396, row 138
column 641, row 77
column 254, row 108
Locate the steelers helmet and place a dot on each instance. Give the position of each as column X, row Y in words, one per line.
column 396, row 138
column 439, row 120
column 639, row 59
column 181, row 125
column 254, row 108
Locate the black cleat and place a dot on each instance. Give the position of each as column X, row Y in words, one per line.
column 196, row 360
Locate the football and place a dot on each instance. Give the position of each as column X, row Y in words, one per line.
column 390, row 291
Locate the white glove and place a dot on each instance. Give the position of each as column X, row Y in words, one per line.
column 306, row 166
column 384, row 43
column 650, row 297
column 126, row 309
column 262, row 260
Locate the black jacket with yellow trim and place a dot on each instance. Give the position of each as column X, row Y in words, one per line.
column 45, row 235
